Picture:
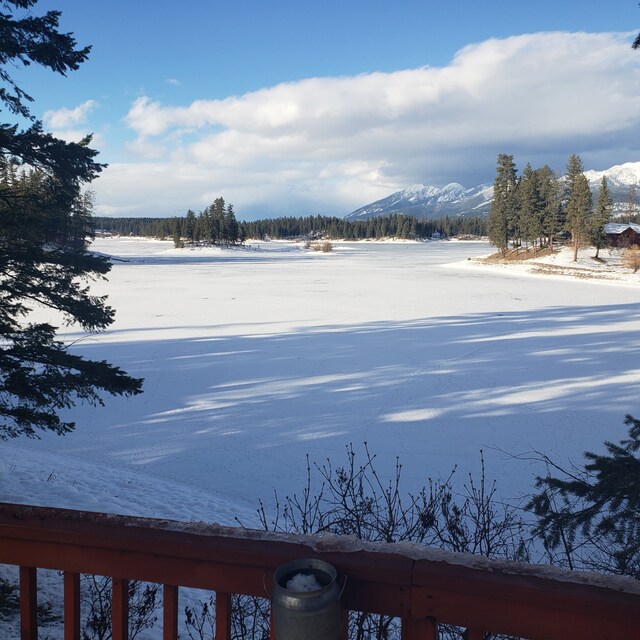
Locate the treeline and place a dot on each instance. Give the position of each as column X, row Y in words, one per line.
column 396, row 226
column 217, row 224
column 160, row 228
column 538, row 207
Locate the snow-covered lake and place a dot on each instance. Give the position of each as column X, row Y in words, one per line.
column 254, row 358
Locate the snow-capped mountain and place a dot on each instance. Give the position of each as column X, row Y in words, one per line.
column 621, row 180
column 424, row 201
column 453, row 199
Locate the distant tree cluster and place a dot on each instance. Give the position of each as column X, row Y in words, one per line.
column 143, row 227
column 538, row 207
column 396, row 226
column 216, row 224
column 211, row 224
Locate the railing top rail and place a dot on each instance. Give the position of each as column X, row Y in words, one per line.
column 127, row 528
column 398, row 579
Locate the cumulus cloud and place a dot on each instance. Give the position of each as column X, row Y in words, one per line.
column 68, row 124
column 332, row 144
column 69, row 118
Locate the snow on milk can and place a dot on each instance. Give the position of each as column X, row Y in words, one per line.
column 305, row 603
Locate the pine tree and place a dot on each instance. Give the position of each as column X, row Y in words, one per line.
column 530, row 206
column 230, row 225
column 500, row 223
column 596, row 508
column 552, row 214
column 45, row 223
column 601, row 216
column 630, row 208
column 579, row 203
column 191, row 222
column 217, row 219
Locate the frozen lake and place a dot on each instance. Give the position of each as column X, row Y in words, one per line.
column 253, row 359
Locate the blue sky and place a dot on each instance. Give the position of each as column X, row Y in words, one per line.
column 295, row 108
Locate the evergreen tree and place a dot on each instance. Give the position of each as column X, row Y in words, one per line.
column 579, row 203
column 191, row 222
column 630, row 208
column 217, row 219
column 601, row 216
column 552, row 213
column 44, row 228
column 594, row 512
column 500, row 223
column 230, row 226
column 530, row 206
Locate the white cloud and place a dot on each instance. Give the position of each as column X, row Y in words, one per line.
column 332, row 144
column 68, row 124
column 61, row 119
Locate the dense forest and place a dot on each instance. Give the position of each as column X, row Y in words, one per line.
column 217, row 225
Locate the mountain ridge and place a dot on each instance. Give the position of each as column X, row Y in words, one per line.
column 453, row 199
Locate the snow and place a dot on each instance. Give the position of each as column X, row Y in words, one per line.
column 627, row 174
column 253, row 358
column 616, row 227
column 605, row 271
column 303, row 583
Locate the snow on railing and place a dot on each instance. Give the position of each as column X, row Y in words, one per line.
column 422, row 587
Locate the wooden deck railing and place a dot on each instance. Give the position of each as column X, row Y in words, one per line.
column 422, row 587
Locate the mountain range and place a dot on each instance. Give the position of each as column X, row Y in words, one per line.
column 453, row 199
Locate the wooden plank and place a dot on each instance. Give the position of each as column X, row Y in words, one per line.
column 28, row 603
column 71, row 606
column 120, row 609
column 365, row 589
column 521, row 605
column 170, row 613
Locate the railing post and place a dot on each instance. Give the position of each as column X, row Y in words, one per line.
column 120, row 609
column 170, row 613
column 223, row 615
column 28, row 603
column 71, row 606
column 345, row 624
column 419, row 629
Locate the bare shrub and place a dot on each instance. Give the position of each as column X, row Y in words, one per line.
column 324, row 246
column 96, row 602
column 249, row 619
column 9, row 598
column 631, row 258
column 355, row 500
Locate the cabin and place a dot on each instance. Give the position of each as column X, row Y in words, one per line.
column 622, row 235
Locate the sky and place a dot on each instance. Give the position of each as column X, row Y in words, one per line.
column 292, row 108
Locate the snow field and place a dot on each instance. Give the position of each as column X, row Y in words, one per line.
column 254, row 358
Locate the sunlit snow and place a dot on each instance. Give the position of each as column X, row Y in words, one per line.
column 253, row 358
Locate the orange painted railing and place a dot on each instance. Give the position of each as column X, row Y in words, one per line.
column 420, row 586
